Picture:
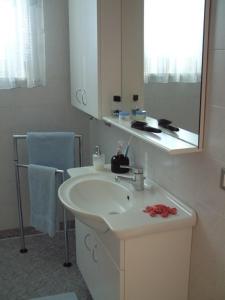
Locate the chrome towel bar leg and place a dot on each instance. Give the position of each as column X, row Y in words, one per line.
column 23, row 248
column 20, row 213
column 67, row 263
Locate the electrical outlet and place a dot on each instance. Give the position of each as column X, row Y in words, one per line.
column 222, row 179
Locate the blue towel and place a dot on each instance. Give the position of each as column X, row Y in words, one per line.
column 52, row 149
column 42, row 190
column 56, row 151
column 67, row 296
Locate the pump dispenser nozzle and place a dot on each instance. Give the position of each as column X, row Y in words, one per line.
column 97, row 150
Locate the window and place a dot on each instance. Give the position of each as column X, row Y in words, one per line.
column 173, row 40
column 22, row 43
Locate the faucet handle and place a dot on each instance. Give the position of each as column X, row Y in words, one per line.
column 135, row 170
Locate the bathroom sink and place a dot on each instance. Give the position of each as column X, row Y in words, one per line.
column 94, row 197
column 99, row 196
column 97, row 200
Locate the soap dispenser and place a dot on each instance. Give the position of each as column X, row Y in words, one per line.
column 98, row 159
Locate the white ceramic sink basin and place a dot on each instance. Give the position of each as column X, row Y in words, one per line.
column 100, row 196
column 96, row 199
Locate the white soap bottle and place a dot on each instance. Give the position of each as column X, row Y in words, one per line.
column 98, row 159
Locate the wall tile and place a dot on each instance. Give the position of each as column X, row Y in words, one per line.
column 197, row 179
column 8, row 211
column 6, row 157
column 216, row 75
column 208, row 259
column 7, row 119
column 217, row 24
column 215, row 133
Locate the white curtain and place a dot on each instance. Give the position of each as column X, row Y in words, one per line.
column 22, row 44
column 173, row 40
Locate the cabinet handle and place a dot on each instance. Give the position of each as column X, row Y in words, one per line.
column 85, row 241
column 84, row 97
column 94, row 254
column 78, row 91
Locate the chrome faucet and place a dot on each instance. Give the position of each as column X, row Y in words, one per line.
column 137, row 178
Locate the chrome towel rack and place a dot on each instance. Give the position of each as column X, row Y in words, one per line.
column 19, row 165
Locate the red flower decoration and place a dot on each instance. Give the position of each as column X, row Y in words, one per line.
column 160, row 209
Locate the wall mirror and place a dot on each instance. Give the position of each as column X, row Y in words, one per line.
column 164, row 55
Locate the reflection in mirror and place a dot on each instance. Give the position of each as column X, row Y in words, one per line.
column 173, row 52
column 164, row 61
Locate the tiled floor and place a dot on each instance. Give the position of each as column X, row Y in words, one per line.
column 38, row 272
column 16, row 232
column 30, row 230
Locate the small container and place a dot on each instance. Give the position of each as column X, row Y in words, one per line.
column 124, row 115
column 139, row 115
column 117, row 161
column 133, row 113
column 98, row 159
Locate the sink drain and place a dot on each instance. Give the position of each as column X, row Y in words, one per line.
column 113, row 213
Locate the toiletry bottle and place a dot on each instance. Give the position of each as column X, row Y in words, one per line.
column 135, row 107
column 98, row 159
column 116, row 106
column 119, row 160
column 137, row 114
column 135, row 102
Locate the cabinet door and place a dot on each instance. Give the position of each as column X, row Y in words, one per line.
column 84, row 245
column 83, row 26
column 110, row 278
column 103, row 278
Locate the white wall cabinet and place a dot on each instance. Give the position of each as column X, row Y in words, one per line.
column 149, row 267
column 95, row 54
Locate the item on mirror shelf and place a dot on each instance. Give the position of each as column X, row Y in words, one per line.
column 116, row 106
column 119, row 160
column 98, row 159
column 135, row 107
column 164, row 123
column 139, row 115
column 115, row 113
column 144, row 127
column 135, row 102
column 124, row 116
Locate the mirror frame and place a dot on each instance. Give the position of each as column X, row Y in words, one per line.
column 205, row 60
column 132, row 67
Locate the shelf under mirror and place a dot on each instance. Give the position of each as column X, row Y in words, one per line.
column 173, row 143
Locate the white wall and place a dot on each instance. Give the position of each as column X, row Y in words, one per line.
column 194, row 178
column 45, row 108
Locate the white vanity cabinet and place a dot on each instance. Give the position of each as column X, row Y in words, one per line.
column 101, row 274
column 95, row 54
column 148, row 267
